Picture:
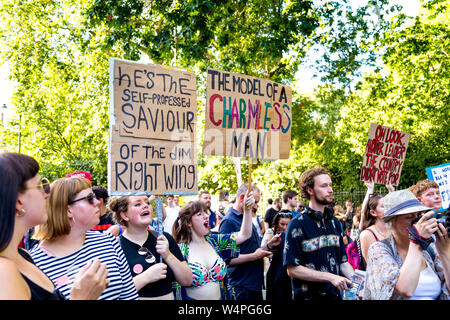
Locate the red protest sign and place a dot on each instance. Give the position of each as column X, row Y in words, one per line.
column 384, row 155
column 82, row 174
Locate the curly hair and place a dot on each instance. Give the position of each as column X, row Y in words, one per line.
column 307, row 179
column 420, row 187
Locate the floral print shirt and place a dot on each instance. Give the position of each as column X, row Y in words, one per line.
column 317, row 245
column 383, row 271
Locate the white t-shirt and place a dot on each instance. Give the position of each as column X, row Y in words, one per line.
column 171, row 216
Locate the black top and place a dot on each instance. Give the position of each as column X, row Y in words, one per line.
column 106, row 221
column 37, row 292
column 270, row 214
column 315, row 243
column 138, row 264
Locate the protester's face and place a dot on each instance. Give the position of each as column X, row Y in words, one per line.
column 292, row 202
column 200, row 223
column 379, row 211
column 403, row 221
column 323, row 191
column 84, row 213
column 33, row 200
column 300, row 206
column 257, row 197
column 431, row 198
column 278, row 204
column 283, row 223
column 206, row 199
column 139, row 211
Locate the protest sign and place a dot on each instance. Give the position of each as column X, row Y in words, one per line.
column 441, row 175
column 153, row 112
column 247, row 117
column 82, row 174
column 384, row 155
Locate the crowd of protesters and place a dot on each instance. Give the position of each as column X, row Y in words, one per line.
column 70, row 240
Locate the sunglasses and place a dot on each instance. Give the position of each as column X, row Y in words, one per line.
column 285, row 215
column 44, row 185
column 90, row 198
column 150, row 258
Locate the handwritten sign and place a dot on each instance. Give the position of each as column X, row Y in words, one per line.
column 247, row 117
column 385, row 154
column 441, row 175
column 153, row 113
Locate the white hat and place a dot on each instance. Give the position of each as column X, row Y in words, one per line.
column 401, row 202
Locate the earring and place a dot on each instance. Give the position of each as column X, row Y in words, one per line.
column 22, row 213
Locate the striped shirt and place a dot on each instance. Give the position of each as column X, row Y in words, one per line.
column 104, row 246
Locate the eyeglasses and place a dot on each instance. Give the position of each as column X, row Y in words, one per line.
column 150, row 258
column 90, row 198
column 44, row 185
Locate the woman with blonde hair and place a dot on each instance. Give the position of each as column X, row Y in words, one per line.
column 409, row 263
column 22, row 206
column 67, row 244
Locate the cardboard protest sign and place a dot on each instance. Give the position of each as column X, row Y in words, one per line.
column 82, row 174
column 385, row 154
column 153, row 114
column 441, row 175
column 247, row 117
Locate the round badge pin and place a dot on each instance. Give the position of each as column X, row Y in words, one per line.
column 138, row 268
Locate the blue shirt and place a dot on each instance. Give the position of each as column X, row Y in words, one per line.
column 212, row 219
column 249, row 275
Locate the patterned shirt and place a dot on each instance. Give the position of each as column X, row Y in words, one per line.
column 317, row 245
column 383, row 271
column 104, row 246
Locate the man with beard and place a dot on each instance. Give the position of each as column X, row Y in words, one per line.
column 314, row 252
column 205, row 197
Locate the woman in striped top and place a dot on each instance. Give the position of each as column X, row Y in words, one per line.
column 67, row 244
column 22, row 206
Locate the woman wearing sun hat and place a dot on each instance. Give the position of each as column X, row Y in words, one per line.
column 409, row 263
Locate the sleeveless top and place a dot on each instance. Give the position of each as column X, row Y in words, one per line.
column 37, row 292
column 429, row 286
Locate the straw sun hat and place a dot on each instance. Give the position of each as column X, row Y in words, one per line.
column 401, row 202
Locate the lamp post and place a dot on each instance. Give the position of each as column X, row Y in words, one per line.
column 4, row 107
column 20, row 130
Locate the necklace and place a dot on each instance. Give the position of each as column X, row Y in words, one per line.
column 378, row 230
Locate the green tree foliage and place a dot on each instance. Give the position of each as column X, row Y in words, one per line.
column 412, row 93
column 62, row 84
column 58, row 54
